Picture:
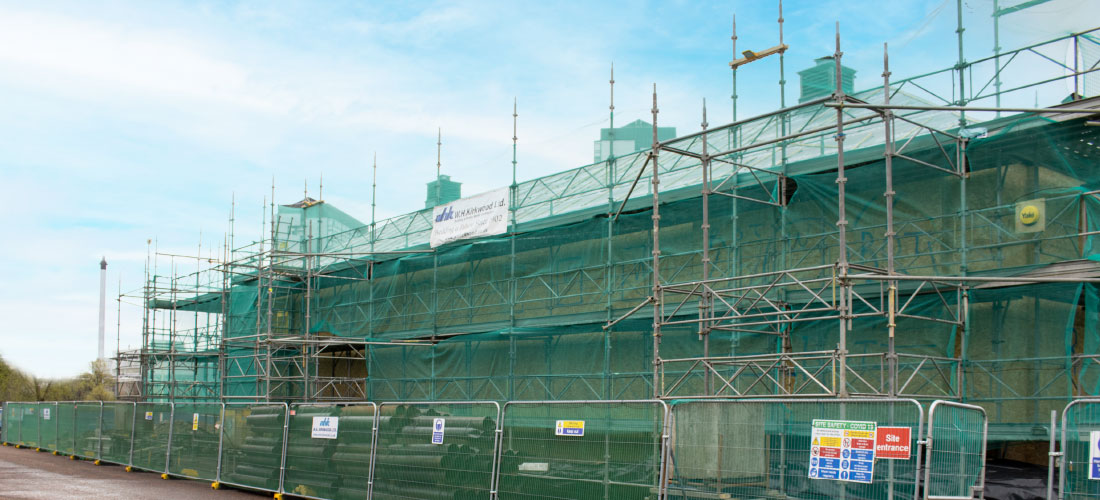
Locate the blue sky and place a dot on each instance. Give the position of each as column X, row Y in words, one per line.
column 126, row 121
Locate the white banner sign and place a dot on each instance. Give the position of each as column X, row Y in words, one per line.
column 482, row 215
column 325, row 427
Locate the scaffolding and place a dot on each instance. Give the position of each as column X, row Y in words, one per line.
column 866, row 243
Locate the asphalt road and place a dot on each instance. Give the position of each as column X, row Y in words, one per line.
column 27, row 474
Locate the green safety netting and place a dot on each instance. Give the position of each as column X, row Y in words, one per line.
column 329, row 464
column 152, row 425
column 435, row 450
column 252, row 445
column 588, row 450
column 66, row 428
column 196, row 431
column 117, row 431
column 87, row 440
column 748, row 448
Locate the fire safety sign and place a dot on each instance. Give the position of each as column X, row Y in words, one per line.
column 842, row 450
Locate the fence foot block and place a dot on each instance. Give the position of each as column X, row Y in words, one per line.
column 72, row 457
column 215, row 485
column 129, row 469
column 164, row 476
column 96, row 462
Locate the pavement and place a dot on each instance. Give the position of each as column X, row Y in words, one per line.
column 27, row 474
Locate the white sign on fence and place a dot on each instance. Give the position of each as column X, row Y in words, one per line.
column 482, row 215
column 45, row 413
column 325, row 427
column 438, row 426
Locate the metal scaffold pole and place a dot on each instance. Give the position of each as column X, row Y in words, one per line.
column 842, row 226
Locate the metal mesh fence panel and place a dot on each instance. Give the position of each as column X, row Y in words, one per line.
column 151, row 432
column 117, row 431
column 758, row 448
column 582, row 450
column 5, row 410
column 435, row 451
column 1080, row 435
column 47, row 426
column 328, row 450
column 956, row 450
column 13, row 421
column 193, row 448
column 86, row 436
column 66, row 428
column 252, row 445
column 29, row 435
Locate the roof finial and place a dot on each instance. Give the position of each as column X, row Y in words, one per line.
column 438, row 150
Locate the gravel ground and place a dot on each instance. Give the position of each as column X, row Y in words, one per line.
column 27, row 474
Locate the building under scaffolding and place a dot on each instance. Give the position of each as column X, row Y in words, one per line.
column 890, row 241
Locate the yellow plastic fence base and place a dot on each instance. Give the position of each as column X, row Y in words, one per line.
column 38, row 449
column 55, row 453
column 129, row 469
column 96, row 462
column 164, row 476
column 278, row 496
column 72, row 457
column 17, row 447
column 215, row 485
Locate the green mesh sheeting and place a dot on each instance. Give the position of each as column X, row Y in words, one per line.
column 4, row 421
column 13, row 420
column 86, row 430
column 412, row 461
column 334, row 468
column 30, row 435
column 957, row 450
column 759, row 448
column 252, row 445
column 616, row 455
column 118, row 432
column 1079, row 421
column 193, row 450
column 66, row 428
column 48, row 426
column 151, row 432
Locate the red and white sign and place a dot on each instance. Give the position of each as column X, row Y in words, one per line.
column 893, row 443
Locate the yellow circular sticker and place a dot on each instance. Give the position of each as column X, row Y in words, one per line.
column 1029, row 215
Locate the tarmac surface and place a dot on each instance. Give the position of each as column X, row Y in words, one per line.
column 27, row 474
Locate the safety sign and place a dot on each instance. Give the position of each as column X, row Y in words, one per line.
column 842, row 450
column 569, row 428
column 148, row 415
column 195, row 422
column 45, row 414
column 893, row 443
column 439, row 425
column 325, row 427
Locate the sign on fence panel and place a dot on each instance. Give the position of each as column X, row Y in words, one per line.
column 569, row 428
column 325, row 427
column 195, row 422
column 148, row 415
column 45, row 413
column 438, row 426
column 893, row 443
column 1094, row 454
column 842, row 450
column 482, row 215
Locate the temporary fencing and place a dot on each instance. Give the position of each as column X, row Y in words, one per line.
column 1079, row 474
column 749, row 448
column 193, row 445
column 252, row 451
column 328, row 450
column 856, row 449
column 583, row 449
column 441, row 450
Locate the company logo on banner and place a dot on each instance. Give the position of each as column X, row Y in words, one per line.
column 482, row 215
column 325, row 427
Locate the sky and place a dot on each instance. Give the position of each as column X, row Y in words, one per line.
column 125, row 122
